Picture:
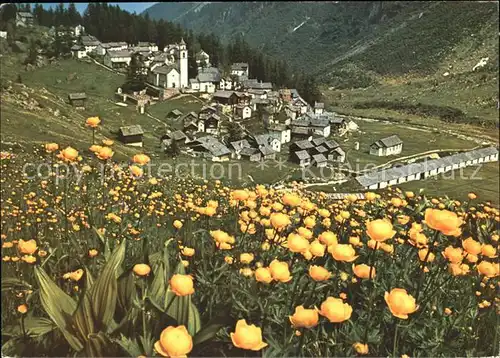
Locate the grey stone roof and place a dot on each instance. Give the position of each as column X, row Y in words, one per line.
column 387, row 142
column 248, row 151
column 321, row 149
column 176, row 135
column 319, row 123
column 300, row 130
column 119, row 53
column 319, row 105
column 212, row 145
column 223, row 94
column 386, row 175
column 239, row 66
column 80, row 95
column 318, row 141
column 175, row 112
column 164, row 69
column 209, row 109
column 24, row 14
column 131, row 130
column 263, row 139
column 239, row 144
column 318, row 158
column 303, row 144
column 266, row 150
column 302, row 154
column 331, row 144
column 210, row 74
column 277, row 127
column 77, row 48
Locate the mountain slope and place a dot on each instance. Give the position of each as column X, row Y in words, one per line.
column 412, row 55
column 384, row 37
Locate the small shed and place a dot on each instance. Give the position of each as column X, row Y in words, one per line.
column 174, row 114
column 131, row 135
column 77, row 99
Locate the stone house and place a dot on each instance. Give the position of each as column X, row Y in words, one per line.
column 387, row 146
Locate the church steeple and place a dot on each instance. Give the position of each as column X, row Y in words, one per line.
column 182, row 41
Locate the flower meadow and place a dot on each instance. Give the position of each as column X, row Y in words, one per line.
column 137, row 265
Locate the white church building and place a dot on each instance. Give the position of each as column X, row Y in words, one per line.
column 173, row 71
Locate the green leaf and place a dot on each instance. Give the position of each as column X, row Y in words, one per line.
column 59, row 306
column 33, row 326
column 105, row 290
column 97, row 306
column 211, row 329
column 97, row 345
column 159, row 285
column 130, row 346
column 126, row 291
column 12, row 283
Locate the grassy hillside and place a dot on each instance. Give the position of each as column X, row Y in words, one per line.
column 37, row 110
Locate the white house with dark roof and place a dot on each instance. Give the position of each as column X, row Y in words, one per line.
column 206, row 81
column 267, row 140
column 24, row 18
column 280, row 131
column 319, row 107
column 387, row 146
column 243, row 111
column 78, row 51
column 168, row 70
column 166, row 76
column 202, row 59
column 210, row 148
column 301, row 157
column 239, row 69
column 89, row 42
column 117, row 59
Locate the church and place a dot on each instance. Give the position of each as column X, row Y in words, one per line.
column 170, row 68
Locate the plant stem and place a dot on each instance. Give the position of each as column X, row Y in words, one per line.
column 422, row 278
column 395, row 344
column 301, row 342
column 143, row 289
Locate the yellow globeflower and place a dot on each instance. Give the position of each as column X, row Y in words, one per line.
column 280, row 271
column 27, row 247
column 68, row 154
column 444, row 221
column 247, row 336
column 105, row 153
column 92, row 122
column 360, row 348
column 380, row 230
column 306, row 318
column 263, row 274
column 177, row 224
column 174, row 342
column 182, row 285
column 246, row 258
column 472, row 246
column 291, row 200
column 142, row 269
column 335, row 310
column 343, row 252
column 363, row 271
column 51, row 147
column 297, row 243
column 280, row 221
column 400, row 303
column 141, row 159
column 319, row 273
